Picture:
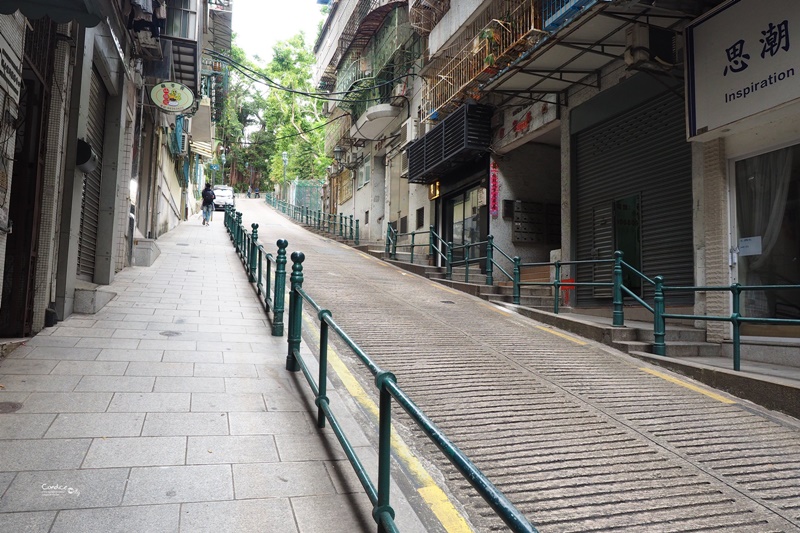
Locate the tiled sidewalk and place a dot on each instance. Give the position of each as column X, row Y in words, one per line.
column 171, row 410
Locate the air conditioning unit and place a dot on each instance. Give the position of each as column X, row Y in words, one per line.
column 184, row 144
column 398, row 95
column 651, row 46
column 408, row 131
column 404, row 164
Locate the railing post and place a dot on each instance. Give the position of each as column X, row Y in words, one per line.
column 467, row 258
column 388, row 240
column 358, row 235
column 659, row 347
column 323, row 367
column 280, row 289
column 239, row 232
column 490, row 260
column 431, row 233
column 352, row 231
column 295, row 311
column 384, row 449
column 341, row 224
column 260, row 274
column 515, row 290
column 448, row 271
column 253, row 251
column 412, row 248
column 394, row 245
column 619, row 310
column 557, row 285
column 737, row 334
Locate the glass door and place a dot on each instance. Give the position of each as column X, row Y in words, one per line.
column 767, row 237
column 463, row 221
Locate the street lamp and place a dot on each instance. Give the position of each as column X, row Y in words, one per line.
column 285, row 157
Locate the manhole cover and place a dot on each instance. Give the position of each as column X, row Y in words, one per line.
column 10, row 407
column 447, row 302
column 170, row 333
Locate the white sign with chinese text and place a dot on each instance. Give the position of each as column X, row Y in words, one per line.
column 742, row 59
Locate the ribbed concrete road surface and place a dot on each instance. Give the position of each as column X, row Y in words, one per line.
column 578, row 436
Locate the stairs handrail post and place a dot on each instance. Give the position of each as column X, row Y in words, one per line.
column 412, row 248
column 490, row 260
column 466, row 261
column 239, row 232
column 295, row 311
column 352, row 230
column 515, row 293
column 736, row 289
column 358, row 236
column 619, row 310
column 449, row 259
column 557, row 285
column 659, row 326
column 431, row 233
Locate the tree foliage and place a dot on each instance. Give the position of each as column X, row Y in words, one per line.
column 263, row 120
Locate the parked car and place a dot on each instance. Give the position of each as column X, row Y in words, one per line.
column 224, row 196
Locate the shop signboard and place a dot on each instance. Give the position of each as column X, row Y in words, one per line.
column 172, row 97
column 10, row 69
column 743, row 58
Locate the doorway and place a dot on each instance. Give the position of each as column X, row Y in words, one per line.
column 767, row 238
column 628, row 238
column 464, row 218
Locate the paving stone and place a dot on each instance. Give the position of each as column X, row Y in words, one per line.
column 165, row 424
column 226, row 370
column 253, row 358
column 238, row 347
column 26, row 366
column 140, row 368
column 5, row 480
column 121, row 324
column 75, row 425
column 181, row 345
column 72, row 354
column 189, row 384
column 231, row 449
column 24, row 426
column 66, row 402
column 20, row 352
column 285, row 400
column 82, row 332
column 269, row 424
column 172, row 484
column 90, row 368
column 136, row 451
column 245, row 385
column 353, row 512
column 294, row 448
column 115, row 384
column 39, row 383
column 281, row 480
column 225, row 402
column 149, row 402
column 251, row 516
column 143, row 518
column 135, row 355
column 171, row 356
column 65, row 489
column 38, row 522
column 40, row 341
column 53, row 454
column 117, row 344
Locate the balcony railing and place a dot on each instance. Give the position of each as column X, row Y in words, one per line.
column 338, row 131
column 425, row 14
column 492, row 40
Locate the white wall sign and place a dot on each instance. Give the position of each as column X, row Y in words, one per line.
column 10, row 69
column 750, row 246
column 742, row 58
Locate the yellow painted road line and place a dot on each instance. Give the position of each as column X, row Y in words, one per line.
column 431, row 493
column 689, row 386
column 562, row 335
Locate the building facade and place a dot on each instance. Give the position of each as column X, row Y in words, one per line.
column 91, row 169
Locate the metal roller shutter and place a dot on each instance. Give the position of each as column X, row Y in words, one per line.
column 90, row 203
column 641, row 152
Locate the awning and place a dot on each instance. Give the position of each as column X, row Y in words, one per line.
column 185, row 62
column 83, row 11
column 202, row 149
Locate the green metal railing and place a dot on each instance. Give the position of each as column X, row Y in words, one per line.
column 338, row 225
column 445, row 252
column 261, row 266
column 386, row 383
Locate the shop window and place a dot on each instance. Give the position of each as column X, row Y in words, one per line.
column 420, row 217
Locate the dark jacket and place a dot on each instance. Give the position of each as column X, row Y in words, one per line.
column 208, row 196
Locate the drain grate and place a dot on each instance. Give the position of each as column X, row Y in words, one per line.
column 170, row 333
column 9, row 407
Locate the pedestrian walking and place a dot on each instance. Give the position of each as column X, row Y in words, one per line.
column 208, row 204
column 249, row 190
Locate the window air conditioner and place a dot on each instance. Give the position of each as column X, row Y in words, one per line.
column 408, row 131
column 184, row 145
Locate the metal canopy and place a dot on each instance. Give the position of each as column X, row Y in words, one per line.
column 185, row 62
column 83, row 11
column 576, row 53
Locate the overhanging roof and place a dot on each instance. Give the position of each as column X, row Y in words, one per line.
column 576, row 52
column 83, row 11
column 185, row 62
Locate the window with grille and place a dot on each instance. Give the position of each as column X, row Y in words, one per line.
column 345, row 186
column 420, row 217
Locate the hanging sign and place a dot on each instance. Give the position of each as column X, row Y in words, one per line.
column 172, row 97
column 494, row 191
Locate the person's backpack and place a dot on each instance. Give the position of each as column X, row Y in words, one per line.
column 208, row 195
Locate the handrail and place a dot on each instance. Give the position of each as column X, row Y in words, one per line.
column 261, row 266
column 386, row 383
column 345, row 226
